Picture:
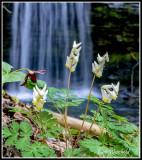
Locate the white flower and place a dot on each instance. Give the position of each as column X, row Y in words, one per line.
column 112, row 93
column 75, row 55
column 101, row 59
column 75, row 46
column 98, row 66
column 106, row 56
column 39, row 96
column 109, row 92
column 42, row 92
column 116, row 88
column 106, row 86
column 97, row 69
column 72, row 60
column 77, row 51
column 68, row 62
column 106, row 97
column 97, row 73
column 73, row 67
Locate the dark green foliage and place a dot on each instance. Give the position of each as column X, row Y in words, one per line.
column 38, row 150
column 51, row 130
column 17, row 109
column 19, row 135
column 73, row 153
column 11, row 134
column 119, row 140
column 15, row 131
column 122, row 132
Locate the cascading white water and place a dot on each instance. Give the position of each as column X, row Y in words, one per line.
column 42, row 38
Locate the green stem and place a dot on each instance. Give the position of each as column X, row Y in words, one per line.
column 44, row 141
column 66, row 109
column 19, row 70
column 65, row 123
column 94, row 119
column 85, row 112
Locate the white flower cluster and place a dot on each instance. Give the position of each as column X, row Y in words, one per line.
column 97, row 69
column 72, row 60
column 109, row 92
column 39, row 96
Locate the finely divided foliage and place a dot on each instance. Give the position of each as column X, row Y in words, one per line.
column 118, row 137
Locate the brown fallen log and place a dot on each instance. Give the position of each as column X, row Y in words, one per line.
column 76, row 124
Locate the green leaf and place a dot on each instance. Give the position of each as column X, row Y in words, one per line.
column 77, row 101
column 3, row 92
column 48, row 135
column 31, row 84
column 51, row 122
column 64, row 91
column 93, row 145
column 131, row 128
column 108, row 107
column 55, row 130
column 18, row 109
column 26, row 129
column 98, row 117
column 46, row 116
column 13, row 77
column 14, row 127
column 74, row 132
column 27, row 154
column 6, row 132
column 72, row 96
column 95, row 100
column 11, row 134
column 6, row 68
column 122, row 119
column 22, row 142
column 38, row 150
column 11, row 140
column 75, row 153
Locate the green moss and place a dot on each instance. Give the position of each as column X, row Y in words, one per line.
column 116, row 58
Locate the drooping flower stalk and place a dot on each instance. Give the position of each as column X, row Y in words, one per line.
column 44, row 141
column 85, row 112
column 67, row 94
column 66, row 124
column 94, row 120
column 97, row 69
column 20, row 70
column 66, row 109
column 109, row 92
column 71, row 63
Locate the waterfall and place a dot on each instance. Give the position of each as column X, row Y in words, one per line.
column 42, row 38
